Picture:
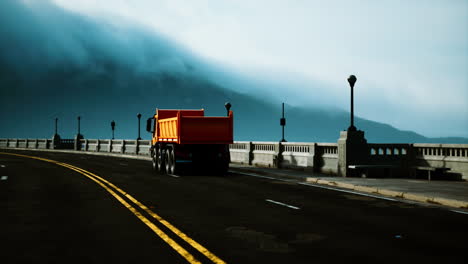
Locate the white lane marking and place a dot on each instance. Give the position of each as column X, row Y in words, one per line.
column 460, row 212
column 3, row 166
column 172, row 175
column 346, row 191
column 4, row 178
column 259, row 176
column 323, row 187
column 283, row 204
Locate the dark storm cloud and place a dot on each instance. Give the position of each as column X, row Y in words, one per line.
column 39, row 35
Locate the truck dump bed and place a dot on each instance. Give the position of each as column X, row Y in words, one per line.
column 192, row 127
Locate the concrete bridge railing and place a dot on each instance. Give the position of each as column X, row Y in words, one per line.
column 453, row 156
column 309, row 156
column 123, row 146
column 317, row 157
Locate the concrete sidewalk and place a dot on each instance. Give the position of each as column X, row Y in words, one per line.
column 447, row 193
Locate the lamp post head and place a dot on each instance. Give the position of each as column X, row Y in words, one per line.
column 228, row 106
column 79, row 117
column 112, row 124
column 352, row 80
column 139, row 115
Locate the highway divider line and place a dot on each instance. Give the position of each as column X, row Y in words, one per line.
column 99, row 180
column 175, row 230
column 184, row 253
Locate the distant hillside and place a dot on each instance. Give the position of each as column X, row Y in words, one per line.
column 80, row 67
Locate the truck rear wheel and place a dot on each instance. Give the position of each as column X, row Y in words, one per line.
column 170, row 161
column 154, row 159
column 223, row 168
column 160, row 160
column 221, row 165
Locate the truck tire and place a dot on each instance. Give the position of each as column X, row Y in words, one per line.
column 221, row 167
column 160, row 160
column 222, row 164
column 154, row 158
column 174, row 167
column 169, row 161
column 224, row 168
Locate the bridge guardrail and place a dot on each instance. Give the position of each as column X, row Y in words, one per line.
column 318, row 157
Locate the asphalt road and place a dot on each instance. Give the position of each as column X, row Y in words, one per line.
column 53, row 213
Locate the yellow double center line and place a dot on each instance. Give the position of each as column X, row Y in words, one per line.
column 114, row 190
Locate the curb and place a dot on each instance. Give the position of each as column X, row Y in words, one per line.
column 371, row 190
column 386, row 192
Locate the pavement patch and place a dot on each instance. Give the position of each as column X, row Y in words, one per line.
column 359, row 197
column 307, row 238
column 259, row 240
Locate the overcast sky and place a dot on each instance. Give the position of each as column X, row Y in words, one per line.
column 410, row 57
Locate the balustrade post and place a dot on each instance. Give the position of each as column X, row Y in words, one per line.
column 311, row 159
column 279, row 149
column 352, row 150
column 110, row 145
column 77, row 142
column 249, row 153
column 85, row 145
column 122, row 150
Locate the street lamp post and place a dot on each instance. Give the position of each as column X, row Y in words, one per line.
column 56, row 121
column 79, row 118
column 283, row 124
column 56, row 137
column 78, row 137
column 352, row 80
column 139, row 117
column 113, row 128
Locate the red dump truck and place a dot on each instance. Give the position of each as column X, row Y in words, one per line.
column 189, row 139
